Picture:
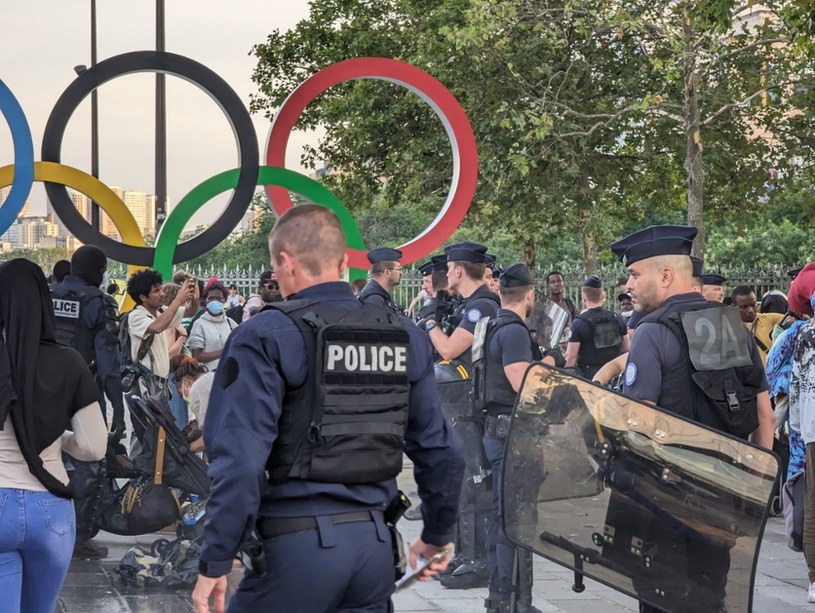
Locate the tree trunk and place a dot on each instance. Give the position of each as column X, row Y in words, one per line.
column 693, row 140
column 529, row 251
column 589, row 243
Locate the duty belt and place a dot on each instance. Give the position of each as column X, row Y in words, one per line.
column 270, row 527
column 496, row 426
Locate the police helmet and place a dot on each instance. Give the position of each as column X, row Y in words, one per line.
column 451, row 370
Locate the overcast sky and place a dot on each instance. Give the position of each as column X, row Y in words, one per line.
column 42, row 41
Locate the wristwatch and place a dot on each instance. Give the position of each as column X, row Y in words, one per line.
column 430, row 324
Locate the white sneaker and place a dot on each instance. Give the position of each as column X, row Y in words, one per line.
column 811, row 593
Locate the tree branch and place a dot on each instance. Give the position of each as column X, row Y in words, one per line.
column 744, row 102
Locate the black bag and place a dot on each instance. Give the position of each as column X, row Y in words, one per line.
column 145, row 504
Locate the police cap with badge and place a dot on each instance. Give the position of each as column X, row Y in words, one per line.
column 384, row 254
column 437, row 263
column 713, row 278
column 654, row 241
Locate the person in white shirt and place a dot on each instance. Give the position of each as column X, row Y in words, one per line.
column 208, row 333
column 150, row 318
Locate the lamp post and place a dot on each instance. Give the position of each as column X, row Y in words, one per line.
column 95, row 222
column 161, row 125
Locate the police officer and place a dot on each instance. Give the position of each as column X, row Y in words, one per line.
column 597, row 335
column 713, row 287
column 508, row 349
column 466, row 263
column 434, row 280
column 661, row 362
column 295, row 455
column 87, row 319
column 386, row 273
column 698, row 267
column 493, row 273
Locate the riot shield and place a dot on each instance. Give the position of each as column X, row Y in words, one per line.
column 653, row 505
column 548, row 322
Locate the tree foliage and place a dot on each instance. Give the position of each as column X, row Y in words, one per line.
column 591, row 118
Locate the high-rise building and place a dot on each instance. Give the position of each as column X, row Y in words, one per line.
column 4, row 192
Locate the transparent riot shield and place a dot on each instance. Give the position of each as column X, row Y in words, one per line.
column 548, row 322
column 661, row 508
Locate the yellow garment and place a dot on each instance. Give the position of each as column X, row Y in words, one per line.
column 762, row 329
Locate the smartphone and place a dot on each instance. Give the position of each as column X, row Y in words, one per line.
column 413, row 574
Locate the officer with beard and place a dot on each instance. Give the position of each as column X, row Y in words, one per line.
column 386, row 273
column 87, row 319
column 434, row 281
column 508, row 349
column 666, row 368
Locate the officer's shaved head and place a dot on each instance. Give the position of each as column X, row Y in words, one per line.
column 680, row 264
column 310, row 234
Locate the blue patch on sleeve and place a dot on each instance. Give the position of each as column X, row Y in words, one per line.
column 474, row 315
column 630, row 374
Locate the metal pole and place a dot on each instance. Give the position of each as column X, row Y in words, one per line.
column 95, row 222
column 161, row 125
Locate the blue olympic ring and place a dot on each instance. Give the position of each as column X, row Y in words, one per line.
column 23, row 158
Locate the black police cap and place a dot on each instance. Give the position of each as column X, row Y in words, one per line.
column 439, row 263
column 497, row 271
column 384, row 254
column 653, row 241
column 516, row 275
column 491, row 260
column 712, row 278
column 593, row 281
column 466, row 252
column 426, row 268
column 698, row 265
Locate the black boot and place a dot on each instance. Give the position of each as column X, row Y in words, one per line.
column 467, row 576
column 87, row 479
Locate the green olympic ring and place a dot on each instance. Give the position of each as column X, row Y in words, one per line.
column 170, row 232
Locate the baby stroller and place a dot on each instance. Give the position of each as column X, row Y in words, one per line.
column 165, row 473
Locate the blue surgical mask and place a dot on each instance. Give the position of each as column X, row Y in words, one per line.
column 215, row 307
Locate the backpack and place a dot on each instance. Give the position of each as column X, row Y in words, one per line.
column 131, row 369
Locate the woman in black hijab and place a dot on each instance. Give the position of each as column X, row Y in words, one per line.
column 49, row 403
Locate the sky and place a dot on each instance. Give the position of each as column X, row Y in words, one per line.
column 42, row 41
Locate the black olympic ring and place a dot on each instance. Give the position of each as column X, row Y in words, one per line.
column 195, row 73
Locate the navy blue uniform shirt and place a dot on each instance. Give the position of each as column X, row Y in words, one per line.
column 241, row 428
column 511, row 343
column 374, row 293
column 655, row 349
column 481, row 303
column 93, row 316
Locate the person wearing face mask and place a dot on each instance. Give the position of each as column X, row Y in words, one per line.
column 626, row 306
column 209, row 332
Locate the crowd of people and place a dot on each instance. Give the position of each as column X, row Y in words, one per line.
column 309, row 391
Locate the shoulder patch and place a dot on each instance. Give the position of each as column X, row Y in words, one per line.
column 474, row 315
column 630, row 374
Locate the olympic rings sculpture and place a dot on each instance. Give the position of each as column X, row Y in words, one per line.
column 242, row 180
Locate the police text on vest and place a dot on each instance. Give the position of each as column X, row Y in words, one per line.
column 365, row 358
column 66, row 308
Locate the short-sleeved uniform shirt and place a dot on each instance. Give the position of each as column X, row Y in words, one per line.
column 481, row 303
column 511, row 343
column 656, row 350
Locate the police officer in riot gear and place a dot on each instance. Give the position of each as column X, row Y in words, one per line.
column 597, row 335
column 434, row 281
column 507, row 349
column 87, row 319
column 313, row 404
column 669, row 366
column 466, row 263
column 386, row 273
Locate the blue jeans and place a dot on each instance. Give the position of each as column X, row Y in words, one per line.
column 37, row 533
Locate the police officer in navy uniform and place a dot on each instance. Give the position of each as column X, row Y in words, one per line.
column 87, row 319
column 509, row 348
column 386, row 273
column 434, row 280
column 663, row 368
column 597, row 335
column 713, row 286
column 466, row 263
column 294, row 453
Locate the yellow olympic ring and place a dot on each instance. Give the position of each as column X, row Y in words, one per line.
column 94, row 189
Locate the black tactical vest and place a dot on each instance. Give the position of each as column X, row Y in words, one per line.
column 373, row 288
column 69, row 303
column 607, row 341
column 492, row 390
column 716, row 382
column 346, row 423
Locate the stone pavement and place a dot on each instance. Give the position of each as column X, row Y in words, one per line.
column 94, row 587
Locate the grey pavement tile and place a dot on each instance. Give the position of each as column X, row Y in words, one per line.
column 411, row 601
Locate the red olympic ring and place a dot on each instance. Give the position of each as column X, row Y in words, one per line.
column 456, row 124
